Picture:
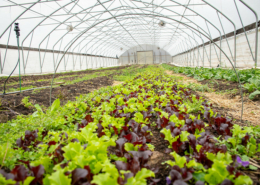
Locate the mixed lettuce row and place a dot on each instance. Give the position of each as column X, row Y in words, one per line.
column 105, row 138
column 249, row 77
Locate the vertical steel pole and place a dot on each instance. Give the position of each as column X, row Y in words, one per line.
column 245, row 30
column 224, row 32
column 256, row 31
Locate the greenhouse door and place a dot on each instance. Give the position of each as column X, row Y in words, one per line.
column 145, row 57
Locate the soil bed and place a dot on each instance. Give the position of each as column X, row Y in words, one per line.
column 228, row 103
column 230, row 87
column 44, row 80
column 12, row 105
column 159, row 156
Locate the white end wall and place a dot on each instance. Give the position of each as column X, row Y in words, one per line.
column 130, row 56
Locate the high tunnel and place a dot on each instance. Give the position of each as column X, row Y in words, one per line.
column 76, row 35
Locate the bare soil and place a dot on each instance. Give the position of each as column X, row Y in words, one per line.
column 228, row 104
column 11, row 104
column 159, row 156
column 33, row 80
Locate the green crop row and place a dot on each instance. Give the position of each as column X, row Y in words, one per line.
column 249, row 77
column 102, row 138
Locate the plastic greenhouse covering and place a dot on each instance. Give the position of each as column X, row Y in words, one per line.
column 75, row 34
column 129, row 92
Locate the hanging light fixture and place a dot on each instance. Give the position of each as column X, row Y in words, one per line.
column 69, row 28
column 161, row 23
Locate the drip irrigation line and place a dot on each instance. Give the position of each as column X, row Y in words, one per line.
column 9, row 77
column 15, row 92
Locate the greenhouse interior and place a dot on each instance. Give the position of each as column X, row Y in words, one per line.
column 129, row 92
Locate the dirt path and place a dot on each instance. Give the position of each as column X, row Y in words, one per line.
column 117, row 83
column 226, row 104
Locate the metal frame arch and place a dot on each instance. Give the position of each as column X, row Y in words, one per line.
column 100, row 40
column 18, row 17
column 75, row 14
column 36, row 27
column 119, row 7
column 87, row 29
column 192, row 21
column 68, row 19
column 67, row 32
column 160, row 14
column 147, row 15
column 96, row 36
column 94, row 16
column 256, row 32
column 230, row 22
column 180, row 14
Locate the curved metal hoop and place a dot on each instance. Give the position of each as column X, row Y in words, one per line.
column 148, row 15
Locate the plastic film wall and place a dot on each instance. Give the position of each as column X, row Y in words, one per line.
column 209, row 56
column 33, row 65
column 97, row 31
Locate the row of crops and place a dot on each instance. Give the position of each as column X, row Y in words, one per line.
column 104, row 138
column 249, row 77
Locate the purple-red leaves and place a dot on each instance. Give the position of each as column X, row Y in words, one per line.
column 81, row 176
column 120, row 165
column 135, row 161
column 192, row 142
column 52, row 143
column 176, row 146
column 85, row 121
column 29, row 138
column 179, row 175
column 38, row 172
column 142, row 156
column 128, row 137
column 120, row 150
column 245, row 139
column 58, row 155
column 20, row 173
column 162, row 122
column 115, row 130
column 227, row 182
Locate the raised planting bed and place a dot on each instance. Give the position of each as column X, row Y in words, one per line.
column 225, row 80
column 148, row 130
column 66, row 87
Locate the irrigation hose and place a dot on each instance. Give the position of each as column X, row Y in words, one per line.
column 17, row 30
column 25, row 90
column 14, row 69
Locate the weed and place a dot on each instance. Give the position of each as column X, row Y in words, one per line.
column 43, row 80
column 26, row 102
column 198, row 87
column 61, row 94
column 36, row 91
